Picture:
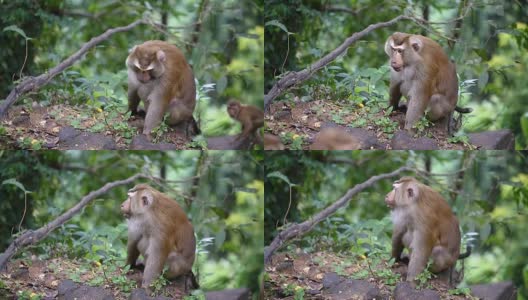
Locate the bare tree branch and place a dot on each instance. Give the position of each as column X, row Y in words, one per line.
column 34, row 83
column 297, row 230
column 292, row 78
column 33, row 236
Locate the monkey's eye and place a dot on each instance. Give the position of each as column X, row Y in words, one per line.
column 399, row 50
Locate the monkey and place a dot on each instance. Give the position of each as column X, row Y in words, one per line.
column 272, row 142
column 159, row 230
column 422, row 72
column 159, row 75
column 332, row 138
column 424, row 223
column 251, row 118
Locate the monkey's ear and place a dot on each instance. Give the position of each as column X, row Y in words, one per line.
column 416, row 43
column 412, row 191
column 388, row 44
column 160, row 55
column 147, row 199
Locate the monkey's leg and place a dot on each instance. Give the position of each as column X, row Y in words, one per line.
column 178, row 265
column 178, row 112
column 153, row 268
column 442, row 259
column 440, row 108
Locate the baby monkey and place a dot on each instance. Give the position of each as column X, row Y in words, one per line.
column 251, row 118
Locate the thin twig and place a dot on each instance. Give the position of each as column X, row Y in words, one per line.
column 34, row 83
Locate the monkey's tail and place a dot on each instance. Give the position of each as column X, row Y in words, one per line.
column 194, row 282
column 463, row 110
column 466, row 254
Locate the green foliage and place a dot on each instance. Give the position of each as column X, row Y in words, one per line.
column 461, row 138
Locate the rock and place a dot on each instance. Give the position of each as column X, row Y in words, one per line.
column 404, row 291
column 493, row 140
column 495, row 291
column 140, row 142
column 73, row 139
column 228, row 142
column 366, row 139
column 403, row 141
column 337, row 287
column 69, row 290
column 233, row 294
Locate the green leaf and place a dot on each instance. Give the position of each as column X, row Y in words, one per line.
column 17, row 184
column 17, row 30
column 278, row 24
column 281, row 176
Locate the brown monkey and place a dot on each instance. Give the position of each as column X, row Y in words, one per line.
column 159, row 230
column 422, row 72
column 332, row 138
column 272, row 142
column 251, row 118
column 159, row 75
column 423, row 223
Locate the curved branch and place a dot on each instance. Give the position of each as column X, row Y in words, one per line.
column 297, row 230
column 33, row 83
column 292, row 78
column 33, row 236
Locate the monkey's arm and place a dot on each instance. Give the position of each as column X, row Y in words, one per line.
column 416, row 105
column 397, row 243
column 133, row 100
column 153, row 265
column 154, row 115
column 132, row 253
column 395, row 94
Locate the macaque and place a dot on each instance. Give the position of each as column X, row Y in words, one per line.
column 422, row 72
column 159, row 230
column 251, row 118
column 272, row 142
column 159, row 75
column 332, row 138
column 424, row 224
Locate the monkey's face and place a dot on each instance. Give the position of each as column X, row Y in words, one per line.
column 137, row 203
column 147, row 63
column 233, row 108
column 403, row 50
column 390, row 199
column 403, row 194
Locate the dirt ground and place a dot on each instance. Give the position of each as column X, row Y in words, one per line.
column 303, row 120
column 288, row 272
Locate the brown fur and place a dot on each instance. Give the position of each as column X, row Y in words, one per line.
column 335, row 139
column 160, row 231
column 251, row 118
column 168, row 88
column 422, row 72
column 422, row 218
